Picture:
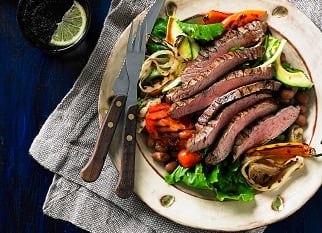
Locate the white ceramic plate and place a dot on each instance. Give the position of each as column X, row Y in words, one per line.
column 192, row 209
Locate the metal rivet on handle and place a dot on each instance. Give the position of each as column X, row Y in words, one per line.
column 131, row 116
column 110, row 124
column 129, row 138
column 118, row 103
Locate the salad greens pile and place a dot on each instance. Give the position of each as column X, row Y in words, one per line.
column 224, row 180
column 202, row 32
column 196, row 31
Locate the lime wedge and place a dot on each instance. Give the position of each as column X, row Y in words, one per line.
column 72, row 26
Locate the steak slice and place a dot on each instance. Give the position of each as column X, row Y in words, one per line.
column 265, row 130
column 224, row 145
column 213, row 71
column 244, row 36
column 233, row 95
column 231, row 81
column 209, row 133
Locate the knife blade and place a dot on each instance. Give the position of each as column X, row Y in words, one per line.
column 125, row 185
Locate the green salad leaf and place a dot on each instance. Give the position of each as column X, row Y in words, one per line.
column 139, row 102
column 202, row 32
column 225, row 180
column 191, row 177
column 160, row 28
column 231, row 184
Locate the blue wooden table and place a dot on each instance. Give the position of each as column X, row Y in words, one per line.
column 32, row 83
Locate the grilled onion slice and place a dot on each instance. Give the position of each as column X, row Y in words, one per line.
column 265, row 173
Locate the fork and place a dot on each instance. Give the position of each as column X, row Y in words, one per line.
column 134, row 58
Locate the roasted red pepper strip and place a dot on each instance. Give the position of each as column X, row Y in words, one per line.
column 214, row 17
column 172, row 133
column 155, row 113
column 287, row 150
column 243, row 17
column 158, row 121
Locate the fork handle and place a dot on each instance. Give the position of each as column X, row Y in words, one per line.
column 93, row 168
column 125, row 184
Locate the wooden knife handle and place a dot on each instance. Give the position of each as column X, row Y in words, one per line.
column 125, row 185
column 93, row 168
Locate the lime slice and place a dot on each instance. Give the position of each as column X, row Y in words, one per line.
column 72, row 26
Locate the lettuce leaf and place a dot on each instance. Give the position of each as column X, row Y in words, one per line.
column 191, row 177
column 160, row 28
column 231, row 184
column 202, row 32
column 225, row 180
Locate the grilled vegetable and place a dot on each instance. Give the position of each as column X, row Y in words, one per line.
column 267, row 173
column 268, row 167
column 243, row 17
column 172, row 133
column 286, row 149
column 214, row 16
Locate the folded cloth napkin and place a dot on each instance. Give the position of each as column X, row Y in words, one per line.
column 68, row 136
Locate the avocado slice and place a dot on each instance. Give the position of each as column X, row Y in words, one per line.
column 184, row 48
column 293, row 79
column 195, row 48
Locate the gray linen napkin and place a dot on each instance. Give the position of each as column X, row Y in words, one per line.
column 68, row 137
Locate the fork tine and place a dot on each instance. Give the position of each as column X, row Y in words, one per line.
column 129, row 45
column 143, row 35
column 136, row 47
column 137, row 39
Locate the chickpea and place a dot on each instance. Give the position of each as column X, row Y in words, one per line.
column 161, row 157
column 302, row 97
column 287, row 94
column 301, row 120
column 171, row 166
column 160, row 147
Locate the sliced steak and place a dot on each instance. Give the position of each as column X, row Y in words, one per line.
column 217, row 68
column 233, row 95
column 265, row 130
column 244, row 36
column 231, row 81
column 224, row 145
column 209, row 133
